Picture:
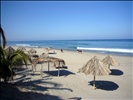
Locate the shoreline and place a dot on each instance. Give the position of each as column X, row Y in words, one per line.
column 87, row 51
column 108, row 46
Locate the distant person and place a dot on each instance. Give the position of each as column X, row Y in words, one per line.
column 61, row 50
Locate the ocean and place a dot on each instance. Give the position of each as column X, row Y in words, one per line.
column 109, row 46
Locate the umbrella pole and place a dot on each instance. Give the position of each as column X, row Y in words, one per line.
column 33, row 68
column 59, row 69
column 41, row 71
column 109, row 66
column 94, row 85
column 48, row 66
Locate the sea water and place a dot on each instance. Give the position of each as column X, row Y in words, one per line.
column 109, row 46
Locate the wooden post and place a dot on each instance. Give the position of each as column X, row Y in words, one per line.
column 94, row 85
column 35, row 68
column 42, row 67
column 48, row 66
column 41, row 73
column 109, row 66
column 59, row 69
column 32, row 68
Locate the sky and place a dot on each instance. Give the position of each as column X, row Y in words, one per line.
column 66, row 20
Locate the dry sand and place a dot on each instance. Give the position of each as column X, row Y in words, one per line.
column 71, row 85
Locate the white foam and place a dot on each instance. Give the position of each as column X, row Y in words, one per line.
column 34, row 46
column 27, row 45
column 108, row 49
column 23, row 45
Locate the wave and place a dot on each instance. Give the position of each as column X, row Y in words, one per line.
column 26, row 45
column 108, row 49
column 23, row 45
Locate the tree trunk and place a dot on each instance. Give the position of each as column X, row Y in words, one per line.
column 5, row 79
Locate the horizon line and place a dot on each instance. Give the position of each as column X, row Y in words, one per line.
column 69, row 39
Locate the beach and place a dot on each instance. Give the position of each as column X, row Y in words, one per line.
column 71, row 85
column 75, row 50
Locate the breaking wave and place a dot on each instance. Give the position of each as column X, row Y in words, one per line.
column 108, row 49
column 26, row 45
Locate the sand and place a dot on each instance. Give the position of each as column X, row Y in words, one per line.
column 71, row 85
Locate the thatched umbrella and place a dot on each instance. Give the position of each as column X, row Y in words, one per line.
column 57, row 62
column 32, row 60
column 109, row 60
column 10, row 49
column 43, row 55
column 22, row 49
column 32, row 51
column 41, row 61
column 95, row 67
column 47, row 49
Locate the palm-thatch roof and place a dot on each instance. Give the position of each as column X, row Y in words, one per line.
column 22, row 49
column 109, row 60
column 47, row 49
column 43, row 55
column 58, row 63
column 10, row 49
column 95, row 67
column 31, row 51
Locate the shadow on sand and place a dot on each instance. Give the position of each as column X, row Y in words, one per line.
column 75, row 98
column 62, row 72
column 40, row 84
column 22, row 71
column 51, row 53
column 23, row 76
column 105, row 85
column 116, row 72
column 32, row 89
column 11, row 92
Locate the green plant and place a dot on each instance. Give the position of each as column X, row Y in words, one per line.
column 7, row 60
